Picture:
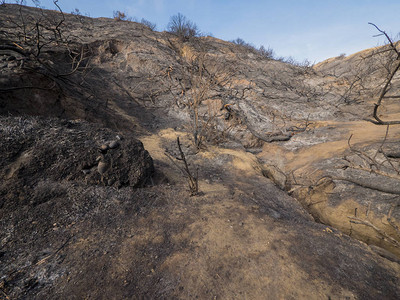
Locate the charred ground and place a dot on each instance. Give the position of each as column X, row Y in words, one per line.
column 265, row 131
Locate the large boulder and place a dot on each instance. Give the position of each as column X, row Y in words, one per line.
column 33, row 149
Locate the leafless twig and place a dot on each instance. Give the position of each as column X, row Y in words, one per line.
column 388, row 82
column 192, row 179
column 385, row 236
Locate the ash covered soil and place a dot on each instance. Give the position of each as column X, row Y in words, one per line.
column 64, row 236
column 91, row 207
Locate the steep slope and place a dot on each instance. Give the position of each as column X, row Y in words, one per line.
column 66, row 234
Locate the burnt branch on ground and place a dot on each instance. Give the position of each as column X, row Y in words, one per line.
column 377, row 162
column 383, row 234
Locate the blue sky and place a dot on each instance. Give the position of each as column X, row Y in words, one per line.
column 304, row 29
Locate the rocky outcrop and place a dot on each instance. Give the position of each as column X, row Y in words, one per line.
column 34, row 149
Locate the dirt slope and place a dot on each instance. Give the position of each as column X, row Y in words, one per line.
column 241, row 237
column 66, row 232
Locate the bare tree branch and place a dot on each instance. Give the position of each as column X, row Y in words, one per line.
column 192, row 179
column 388, row 82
